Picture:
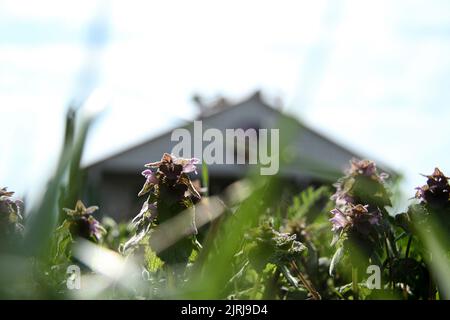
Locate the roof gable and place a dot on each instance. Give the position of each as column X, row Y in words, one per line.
column 313, row 154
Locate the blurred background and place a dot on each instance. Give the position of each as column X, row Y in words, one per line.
column 372, row 76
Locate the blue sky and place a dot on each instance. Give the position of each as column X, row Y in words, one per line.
column 373, row 75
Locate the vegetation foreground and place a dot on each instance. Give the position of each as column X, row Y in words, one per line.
column 249, row 243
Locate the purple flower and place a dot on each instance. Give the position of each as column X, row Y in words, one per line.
column 421, row 192
column 339, row 220
column 363, row 220
column 150, row 176
column 172, row 172
column 354, row 217
column 150, row 181
column 83, row 224
column 383, row 176
column 437, row 190
column 188, row 164
column 171, row 191
column 366, row 168
column 341, row 196
column 375, row 218
column 347, row 187
column 95, row 229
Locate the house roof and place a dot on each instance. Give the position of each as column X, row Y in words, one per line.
column 225, row 106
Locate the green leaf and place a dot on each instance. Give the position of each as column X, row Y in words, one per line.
column 335, row 260
column 289, row 277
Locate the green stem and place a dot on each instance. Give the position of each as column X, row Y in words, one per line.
column 170, row 279
column 256, row 287
column 389, row 259
column 355, row 283
column 408, row 247
column 314, row 294
column 431, row 289
column 271, row 287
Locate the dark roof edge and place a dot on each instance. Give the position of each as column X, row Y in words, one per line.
column 255, row 96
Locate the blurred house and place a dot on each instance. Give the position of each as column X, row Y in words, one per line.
column 307, row 157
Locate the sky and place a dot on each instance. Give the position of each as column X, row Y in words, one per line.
column 371, row 75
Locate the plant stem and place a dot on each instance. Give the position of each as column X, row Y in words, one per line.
column 256, row 287
column 271, row 286
column 431, row 289
column 389, row 259
column 170, row 279
column 314, row 294
column 355, row 283
column 408, row 247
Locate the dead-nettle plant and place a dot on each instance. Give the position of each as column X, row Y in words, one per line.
column 169, row 191
column 423, row 223
column 284, row 254
column 11, row 218
column 434, row 204
column 360, row 222
column 407, row 246
column 78, row 223
column 434, row 198
column 251, row 146
column 266, row 246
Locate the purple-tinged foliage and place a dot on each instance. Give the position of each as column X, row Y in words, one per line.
column 11, row 217
column 339, row 220
column 362, row 184
column 436, row 191
column 359, row 219
column 150, row 176
column 170, row 191
column 356, row 218
column 366, row 168
column 172, row 172
column 434, row 204
column 83, row 224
